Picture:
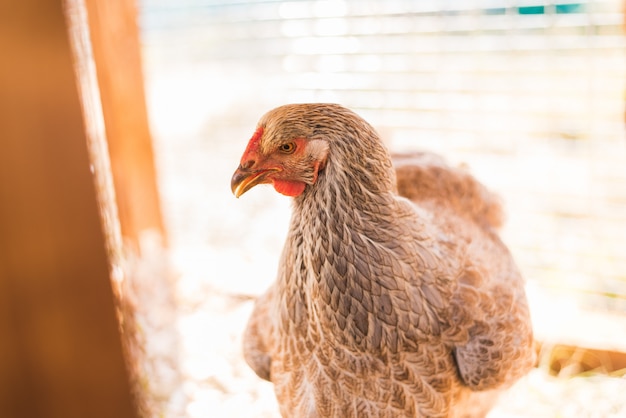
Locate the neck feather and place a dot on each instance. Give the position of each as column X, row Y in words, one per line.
column 343, row 229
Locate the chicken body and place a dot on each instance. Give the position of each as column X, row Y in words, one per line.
column 383, row 305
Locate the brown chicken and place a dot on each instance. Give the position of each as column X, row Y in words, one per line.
column 382, row 306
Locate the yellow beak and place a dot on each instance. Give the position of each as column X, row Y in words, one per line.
column 245, row 179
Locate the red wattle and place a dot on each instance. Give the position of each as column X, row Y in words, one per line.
column 289, row 188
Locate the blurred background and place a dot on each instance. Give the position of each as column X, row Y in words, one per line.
column 529, row 94
column 128, row 270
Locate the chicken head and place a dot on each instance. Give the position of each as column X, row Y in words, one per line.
column 288, row 163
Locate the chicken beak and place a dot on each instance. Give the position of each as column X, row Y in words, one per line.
column 245, row 179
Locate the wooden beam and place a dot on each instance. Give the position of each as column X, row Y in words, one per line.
column 116, row 51
column 60, row 347
column 570, row 360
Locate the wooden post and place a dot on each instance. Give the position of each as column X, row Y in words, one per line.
column 116, row 51
column 60, row 348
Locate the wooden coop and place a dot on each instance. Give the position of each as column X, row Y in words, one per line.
column 79, row 198
column 121, row 123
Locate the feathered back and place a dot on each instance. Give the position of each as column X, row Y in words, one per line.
column 425, row 177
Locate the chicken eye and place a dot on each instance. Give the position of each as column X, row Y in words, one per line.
column 287, row 148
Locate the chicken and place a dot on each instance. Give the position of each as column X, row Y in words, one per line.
column 383, row 305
